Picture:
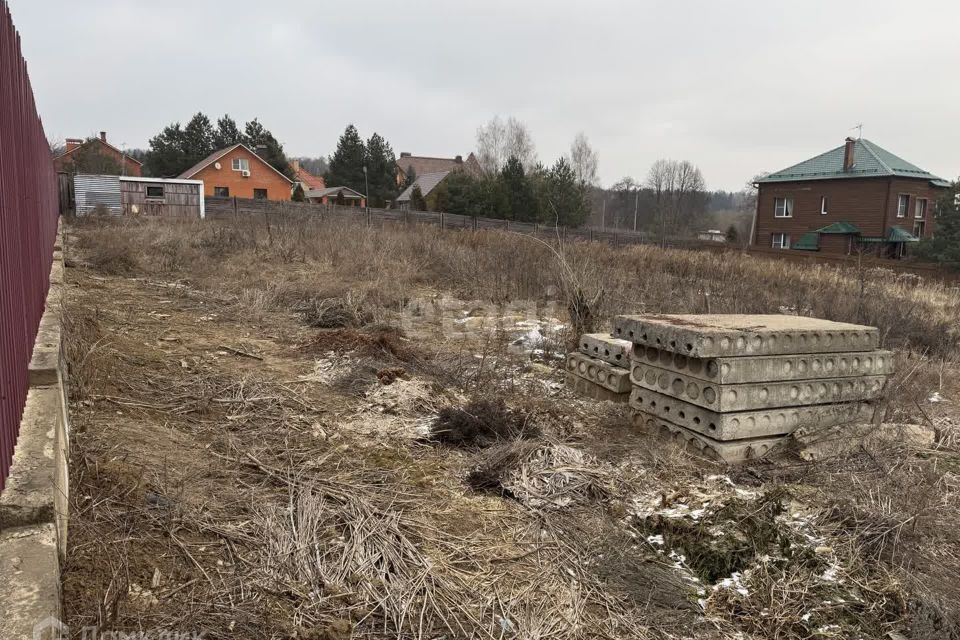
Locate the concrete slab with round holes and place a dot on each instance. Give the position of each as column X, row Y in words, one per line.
column 602, row 346
column 587, row 389
column 612, row 377
column 756, row 395
column 748, row 424
column 706, row 336
column 729, row 452
column 745, row 369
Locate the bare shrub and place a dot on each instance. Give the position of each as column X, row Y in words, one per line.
column 481, row 423
column 333, row 313
column 110, row 253
column 382, row 340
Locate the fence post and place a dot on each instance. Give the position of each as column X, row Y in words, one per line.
column 235, row 212
column 441, row 221
column 369, row 218
column 591, row 235
column 474, row 223
column 506, row 225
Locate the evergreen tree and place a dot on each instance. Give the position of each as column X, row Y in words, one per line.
column 732, row 234
column 945, row 245
column 298, row 194
column 567, row 203
column 227, row 133
column 417, row 201
column 381, row 171
column 198, row 138
column 411, row 177
column 346, row 163
column 517, row 188
column 167, row 157
column 258, row 138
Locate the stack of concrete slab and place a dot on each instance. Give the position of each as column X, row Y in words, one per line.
column 599, row 368
column 733, row 386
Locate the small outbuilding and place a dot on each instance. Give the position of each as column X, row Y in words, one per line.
column 138, row 196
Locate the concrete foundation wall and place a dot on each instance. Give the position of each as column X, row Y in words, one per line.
column 34, row 504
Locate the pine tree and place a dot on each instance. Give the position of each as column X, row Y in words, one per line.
column 732, row 234
column 198, row 138
column 298, row 194
column 945, row 245
column 227, row 133
column 381, row 171
column 166, row 157
column 258, row 138
column 519, row 194
column 567, row 203
column 346, row 163
column 417, row 201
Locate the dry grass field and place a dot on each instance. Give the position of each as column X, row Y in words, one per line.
column 304, row 429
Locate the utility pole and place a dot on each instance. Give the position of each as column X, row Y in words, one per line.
column 603, row 214
column 636, row 209
column 366, row 186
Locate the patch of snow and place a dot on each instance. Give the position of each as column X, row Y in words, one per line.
column 935, row 397
column 655, row 539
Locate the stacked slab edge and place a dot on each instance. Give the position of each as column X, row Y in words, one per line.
column 733, row 386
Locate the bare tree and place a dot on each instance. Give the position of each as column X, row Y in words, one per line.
column 678, row 190
column 584, row 160
column 499, row 140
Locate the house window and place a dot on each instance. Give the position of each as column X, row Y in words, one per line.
column 259, row 194
column 783, row 207
column 903, row 204
column 241, row 164
column 221, row 192
column 155, row 192
column 823, row 205
column 920, row 210
column 918, row 226
column 780, row 240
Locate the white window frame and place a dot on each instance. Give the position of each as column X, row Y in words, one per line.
column 824, row 204
column 923, row 227
column 903, row 205
column 920, row 209
column 787, row 207
column 780, row 240
column 240, row 164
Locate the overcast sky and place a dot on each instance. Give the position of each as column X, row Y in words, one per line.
column 736, row 87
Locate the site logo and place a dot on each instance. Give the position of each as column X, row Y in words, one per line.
column 50, row 629
column 53, row 628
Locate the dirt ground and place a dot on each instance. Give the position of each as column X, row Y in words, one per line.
column 239, row 473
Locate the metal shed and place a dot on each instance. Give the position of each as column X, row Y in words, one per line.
column 138, row 196
column 95, row 192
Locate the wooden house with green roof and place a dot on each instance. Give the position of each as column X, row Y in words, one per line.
column 857, row 197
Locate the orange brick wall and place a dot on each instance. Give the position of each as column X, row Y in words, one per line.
column 262, row 176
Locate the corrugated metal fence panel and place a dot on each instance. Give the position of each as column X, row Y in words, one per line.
column 28, row 230
column 95, row 192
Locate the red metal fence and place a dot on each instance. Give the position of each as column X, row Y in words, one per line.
column 28, row 229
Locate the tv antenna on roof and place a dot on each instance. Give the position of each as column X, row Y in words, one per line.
column 859, row 128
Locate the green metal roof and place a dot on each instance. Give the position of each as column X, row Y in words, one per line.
column 869, row 161
column 808, row 242
column 899, row 235
column 839, row 227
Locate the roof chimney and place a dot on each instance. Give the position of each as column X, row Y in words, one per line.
column 404, row 154
column 71, row 144
column 103, row 136
column 848, row 154
column 295, row 164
